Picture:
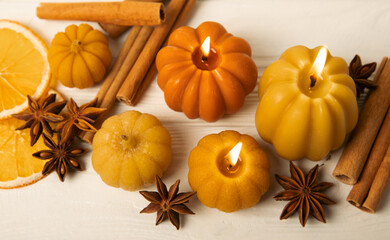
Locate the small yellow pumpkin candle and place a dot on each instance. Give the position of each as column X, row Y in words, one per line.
column 130, row 149
column 307, row 103
column 229, row 171
column 80, row 56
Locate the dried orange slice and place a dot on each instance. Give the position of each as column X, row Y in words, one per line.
column 24, row 69
column 18, row 167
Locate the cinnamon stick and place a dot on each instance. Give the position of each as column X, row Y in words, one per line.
column 117, row 76
column 127, row 13
column 378, row 186
column 117, row 64
column 126, row 64
column 181, row 19
column 144, row 85
column 146, row 58
column 115, row 31
column 356, row 151
column 382, row 142
column 131, row 58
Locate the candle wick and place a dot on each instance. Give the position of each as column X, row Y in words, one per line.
column 204, row 58
column 313, row 80
column 229, row 167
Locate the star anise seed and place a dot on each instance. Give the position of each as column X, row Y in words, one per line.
column 61, row 155
column 304, row 195
column 167, row 203
column 360, row 74
column 40, row 115
column 78, row 119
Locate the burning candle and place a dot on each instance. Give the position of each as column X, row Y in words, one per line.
column 205, row 48
column 307, row 103
column 229, row 171
column 232, row 159
column 318, row 66
column 205, row 72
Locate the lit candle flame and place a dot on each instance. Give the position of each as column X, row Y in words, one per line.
column 205, row 48
column 234, row 154
column 319, row 63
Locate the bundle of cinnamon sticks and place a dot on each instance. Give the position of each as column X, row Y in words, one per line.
column 134, row 68
column 365, row 161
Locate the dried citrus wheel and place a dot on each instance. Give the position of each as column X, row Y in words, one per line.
column 24, row 69
column 18, row 167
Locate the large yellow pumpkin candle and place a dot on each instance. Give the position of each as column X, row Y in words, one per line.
column 307, row 103
column 206, row 72
column 229, row 171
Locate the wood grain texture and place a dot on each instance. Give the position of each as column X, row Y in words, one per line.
column 83, row 207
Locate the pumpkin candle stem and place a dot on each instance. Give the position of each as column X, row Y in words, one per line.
column 75, row 47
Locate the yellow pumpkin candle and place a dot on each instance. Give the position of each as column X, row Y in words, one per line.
column 229, row 171
column 206, row 72
column 307, row 103
column 130, row 149
column 80, row 56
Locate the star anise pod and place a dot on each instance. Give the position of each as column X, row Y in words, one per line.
column 167, row 203
column 78, row 119
column 360, row 74
column 40, row 115
column 304, row 195
column 60, row 155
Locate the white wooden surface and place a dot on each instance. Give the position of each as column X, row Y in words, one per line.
column 83, row 207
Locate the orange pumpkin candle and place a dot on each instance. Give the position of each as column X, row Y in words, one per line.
column 205, row 72
column 229, row 171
